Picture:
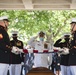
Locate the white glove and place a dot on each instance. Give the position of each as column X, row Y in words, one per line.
column 65, row 51
column 30, row 50
column 20, row 50
column 15, row 50
column 22, row 63
column 58, row 48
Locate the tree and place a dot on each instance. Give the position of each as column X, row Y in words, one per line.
column 29, row 23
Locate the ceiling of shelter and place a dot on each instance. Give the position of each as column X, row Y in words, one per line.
column 37, row 4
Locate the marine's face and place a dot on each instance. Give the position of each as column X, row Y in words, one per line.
column 73, row 27
column 41, row 37
column 14, row 37
column 6, row 23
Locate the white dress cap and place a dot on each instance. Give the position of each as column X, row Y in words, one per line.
column 3, row 17
column 67, row 34
column 14, row 32
column 73, row 20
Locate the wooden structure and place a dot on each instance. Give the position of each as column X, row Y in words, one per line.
column 40, row 71
column 37, row 4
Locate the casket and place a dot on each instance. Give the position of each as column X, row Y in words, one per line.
column 40, row 71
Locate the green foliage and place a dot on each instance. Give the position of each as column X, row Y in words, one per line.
column 29, row 23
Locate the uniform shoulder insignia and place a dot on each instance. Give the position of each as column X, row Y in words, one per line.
column 18, row 43
column 1, row 36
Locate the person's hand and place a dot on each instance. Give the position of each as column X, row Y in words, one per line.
column 65, row 51
column 15, row 50
column 20, row 50
column 22, row 63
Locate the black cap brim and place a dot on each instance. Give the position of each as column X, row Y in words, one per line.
column 6, row 20
column 73, row 22
column 67, row 35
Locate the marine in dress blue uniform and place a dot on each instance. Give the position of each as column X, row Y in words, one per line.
column 64, row 58
column 72, row 54
column 15, row 67
column 5, row 48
